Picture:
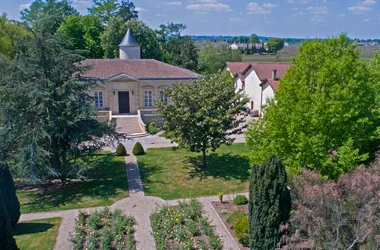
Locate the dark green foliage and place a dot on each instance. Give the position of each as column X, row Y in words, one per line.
column 152, row 128
column 47, row 115
column 121, row 150
column 275, row 44
column 138, row 149
column 240, row 200
column 182, row 52
column 7, row 188
column 269, row 204
column 7, row 242
column 106, row 9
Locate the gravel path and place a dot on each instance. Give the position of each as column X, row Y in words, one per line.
column 140, row 207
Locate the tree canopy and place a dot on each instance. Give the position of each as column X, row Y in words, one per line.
column 212, row 58
column 275, row 44
column 84, row 33
column 323, row 115
column 182, row 52
column 105, row 9
column 202, row 114
column 254, row 38
column 40, row 9
column 47, row 116
column 10, row 34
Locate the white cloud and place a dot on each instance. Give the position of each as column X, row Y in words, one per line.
column 235, row 19
column 321, row 10
column 173, row 3
column 264, row 9
column 139, row 9
column 206, row 5
column 362, row 7
column 24, row 6
column 366, row 20
column 342, row 15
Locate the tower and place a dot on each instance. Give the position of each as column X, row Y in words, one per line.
column 129, row 48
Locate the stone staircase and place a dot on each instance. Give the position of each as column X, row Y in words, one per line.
column 128, row 125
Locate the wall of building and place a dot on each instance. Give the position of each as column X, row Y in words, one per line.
column 136, row 93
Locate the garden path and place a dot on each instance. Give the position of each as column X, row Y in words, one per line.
column 139, row 206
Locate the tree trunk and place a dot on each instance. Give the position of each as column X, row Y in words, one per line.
column 204, row 163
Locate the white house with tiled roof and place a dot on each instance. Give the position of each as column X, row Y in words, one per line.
column 129, row 85
column 259, row 80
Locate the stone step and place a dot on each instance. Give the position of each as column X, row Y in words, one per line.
column 128, row 125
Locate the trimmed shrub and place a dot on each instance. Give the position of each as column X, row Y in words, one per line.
column 240, row 200
column 152, row 128
column 138, row 149
column 7, row 242
column 269, row 203
column 7, row 187
column 241, row 227
column 120, row 150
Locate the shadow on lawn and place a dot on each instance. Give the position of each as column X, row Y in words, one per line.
column 225, row 166
column 31, row 228
column 104, row 178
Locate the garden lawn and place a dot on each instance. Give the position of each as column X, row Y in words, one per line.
column 37, row 234
column 173, row 174
column 106, row 184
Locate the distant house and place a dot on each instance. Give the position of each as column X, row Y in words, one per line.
column 244, row 46
column 259, row 80
column 129, row 86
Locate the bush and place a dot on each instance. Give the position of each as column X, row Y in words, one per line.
column 220, row 195
column 138, row 149
column 152, row 128
column 269, row 203
column 244, row 240
column 7, row 188
column 241, row 227
column 121, row 150
column 240, row 200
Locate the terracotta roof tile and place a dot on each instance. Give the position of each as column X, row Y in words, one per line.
column 262, row 69
column 136, row 68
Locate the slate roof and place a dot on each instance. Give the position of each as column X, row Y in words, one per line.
column 140, row 69
column 129, row 40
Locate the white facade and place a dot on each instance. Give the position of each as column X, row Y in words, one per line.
column 130, row 52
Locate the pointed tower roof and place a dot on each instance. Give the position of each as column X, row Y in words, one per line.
column 129, row 40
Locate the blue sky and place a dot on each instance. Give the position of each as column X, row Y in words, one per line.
column 282, row 18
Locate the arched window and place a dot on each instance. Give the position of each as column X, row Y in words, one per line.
column 163, row 97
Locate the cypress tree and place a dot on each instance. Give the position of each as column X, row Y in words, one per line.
column 269, row 204
column 10, row 199
column 7, row 242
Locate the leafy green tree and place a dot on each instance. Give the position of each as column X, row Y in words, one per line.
column 47, row 115
column 114, row 33
column 84, row 33
column 10, row 34
column 323, row 115
column 212, row 58
column 7, row 188
column 182, row 52
column 254, row 38
column 106, row 9
column 7, row 242
column 202, row 112
column 269, row 204
column 275, row 44
column 171, row 30
column 41, row 8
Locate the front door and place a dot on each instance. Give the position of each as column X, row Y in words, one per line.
column 124, row 102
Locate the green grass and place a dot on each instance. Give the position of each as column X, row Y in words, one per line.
column 172, row 174
column 37, row 234
column 106, row 184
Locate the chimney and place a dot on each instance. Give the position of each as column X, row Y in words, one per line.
column 274, row 74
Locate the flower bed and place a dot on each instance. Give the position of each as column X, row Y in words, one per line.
column 104, row 230
column 235, row 217
column 183, row 227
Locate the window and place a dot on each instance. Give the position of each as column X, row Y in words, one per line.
column 98, row 96
column 164, row 98
column 148, row 98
